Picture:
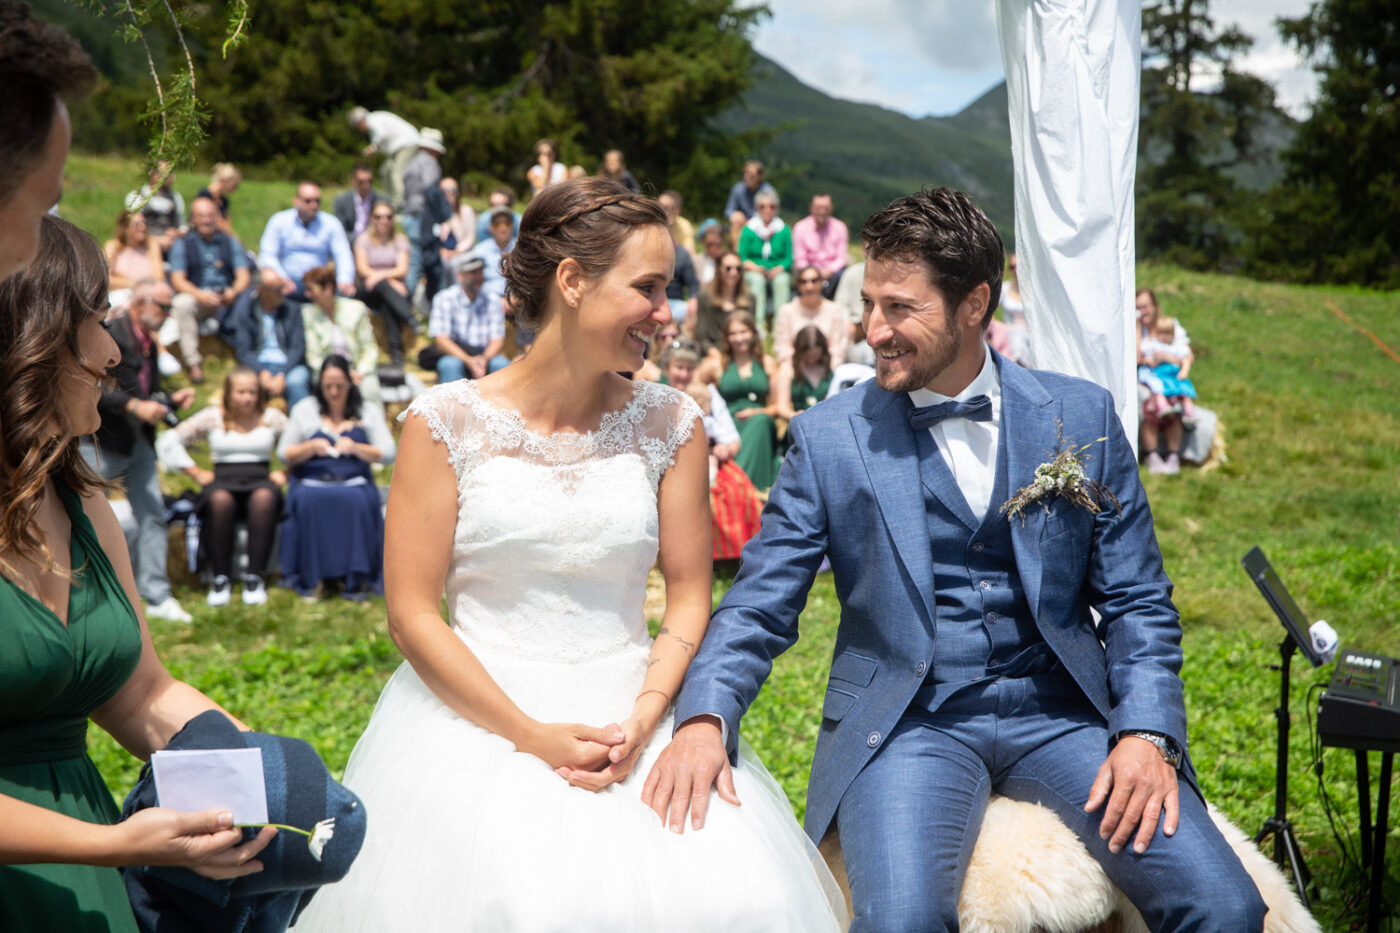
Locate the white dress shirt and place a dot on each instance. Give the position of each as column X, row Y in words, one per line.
column 970, row 447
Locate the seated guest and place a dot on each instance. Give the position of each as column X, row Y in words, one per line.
column 133, row 255
column 242, row 433
column 820, row 240
column 662, row 339
column 334, row 529
column 208, row 270
column 849, row 301
column 458, row 231
column 223, row 181
column 615, row 167
column 268, row 338
column 807, row 379
column 304, row 237
column 1013, row 314
column 467, row 327
column 744, row 374
column 683, row 291
column 381, row 259
column 742, row 205
column 682, row 231
column 679, row 364
column 352, row 208
column 500, row 197
column 163, row 207
column 336, row 325
column 547, row 170
column 712, row 246
column 726, row 293
column 1164, row 353
column 501, row 240
column 809, row 308
column 765, row 248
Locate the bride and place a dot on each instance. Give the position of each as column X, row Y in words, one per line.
column 498, row 767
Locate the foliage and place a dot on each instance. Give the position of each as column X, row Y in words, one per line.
column 1189, row 139
column 1342, row 175
column 494, row 76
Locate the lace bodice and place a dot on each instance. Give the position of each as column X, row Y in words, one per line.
column 555, row 533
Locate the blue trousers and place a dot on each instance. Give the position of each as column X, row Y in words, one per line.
column 450, row 369
column 910, row 819
column 150, row 547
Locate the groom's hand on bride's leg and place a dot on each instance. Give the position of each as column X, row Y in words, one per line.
column 684, row 772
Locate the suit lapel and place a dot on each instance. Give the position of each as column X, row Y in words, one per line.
column 892, row 463
column 1030, row 431
column 939, row 480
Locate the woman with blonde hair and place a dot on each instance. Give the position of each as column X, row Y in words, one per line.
column 73, row 641
column 223, row 181
column 132, row 255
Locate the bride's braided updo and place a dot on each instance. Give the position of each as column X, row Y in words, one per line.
column 586, row 220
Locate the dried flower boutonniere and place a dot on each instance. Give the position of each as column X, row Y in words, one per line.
column 1062, row 476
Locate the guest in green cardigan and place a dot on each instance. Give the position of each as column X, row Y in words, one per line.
column 765, row 248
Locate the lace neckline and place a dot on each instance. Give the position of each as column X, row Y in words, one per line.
column 490, row 411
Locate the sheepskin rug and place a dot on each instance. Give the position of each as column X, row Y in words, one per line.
column 1030, row 874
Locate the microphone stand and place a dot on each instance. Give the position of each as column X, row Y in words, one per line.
column 1286, row 851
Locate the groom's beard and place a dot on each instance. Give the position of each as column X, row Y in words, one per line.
column 929, row 360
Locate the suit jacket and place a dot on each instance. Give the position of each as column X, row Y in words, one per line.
column 850, row 489
column 245, row 325
column 122, row 431
column 344, row 209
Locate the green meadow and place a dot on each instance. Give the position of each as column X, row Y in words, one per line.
column 1309, row 405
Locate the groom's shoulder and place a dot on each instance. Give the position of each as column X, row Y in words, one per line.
column 1058, row 386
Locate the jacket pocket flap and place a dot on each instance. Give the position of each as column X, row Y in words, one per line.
column 854, row 668
column 837, row 703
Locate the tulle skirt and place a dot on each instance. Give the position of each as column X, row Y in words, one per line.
column 466, row 833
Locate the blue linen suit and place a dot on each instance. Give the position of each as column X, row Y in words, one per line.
column 853, row 489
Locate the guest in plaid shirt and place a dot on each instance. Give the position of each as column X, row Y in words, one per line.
column 467, row 325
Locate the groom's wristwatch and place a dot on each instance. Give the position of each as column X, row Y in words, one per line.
column 1171, row 753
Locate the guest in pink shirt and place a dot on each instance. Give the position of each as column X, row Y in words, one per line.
column 820, row 240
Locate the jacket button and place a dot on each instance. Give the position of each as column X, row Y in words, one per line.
column 873, row 739
column 978, row 546
column 920, row 668
column 992, row 617
column 985, row 584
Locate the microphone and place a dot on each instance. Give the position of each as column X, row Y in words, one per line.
column 1324, row 640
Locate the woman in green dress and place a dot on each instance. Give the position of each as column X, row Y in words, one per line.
column 804, row 380
column 73, row 644
column 743, row 374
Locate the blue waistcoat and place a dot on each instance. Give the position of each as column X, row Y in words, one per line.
column 983, row 626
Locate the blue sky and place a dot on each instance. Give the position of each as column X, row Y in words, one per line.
column 936, row 56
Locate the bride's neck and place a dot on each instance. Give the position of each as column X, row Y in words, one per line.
column 556, row 391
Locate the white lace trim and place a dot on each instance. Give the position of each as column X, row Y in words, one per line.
column 496, row 431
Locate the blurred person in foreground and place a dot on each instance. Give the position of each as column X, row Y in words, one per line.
column 77, row 645
column 40, row 65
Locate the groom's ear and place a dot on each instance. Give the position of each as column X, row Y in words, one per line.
column 972, row 310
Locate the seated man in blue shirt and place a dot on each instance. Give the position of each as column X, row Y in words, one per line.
column 303, row 238
column 491, row 249
column 208, row 270
column 268, row 338
column 467, row 326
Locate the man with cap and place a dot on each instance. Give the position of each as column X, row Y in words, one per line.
column 468, row 325
column 420, row 175
column 501, row 224
column 393, row 137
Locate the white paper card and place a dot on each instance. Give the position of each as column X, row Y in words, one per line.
column 212, row 779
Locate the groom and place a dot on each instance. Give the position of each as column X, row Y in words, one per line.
column 967, row 661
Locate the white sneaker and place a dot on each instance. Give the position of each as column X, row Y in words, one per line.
column 220, row 591
column 169, row 610
column 254, row 590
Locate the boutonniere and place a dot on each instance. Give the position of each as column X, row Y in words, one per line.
column 1062, row 476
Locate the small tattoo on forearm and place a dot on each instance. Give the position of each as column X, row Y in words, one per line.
column 689, row 646
column 653, row 662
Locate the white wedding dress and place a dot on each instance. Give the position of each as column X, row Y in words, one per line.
column 554, row 539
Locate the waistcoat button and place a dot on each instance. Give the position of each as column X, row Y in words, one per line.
column 920, row 668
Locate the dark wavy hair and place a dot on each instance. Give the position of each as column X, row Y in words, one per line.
column 353, row 399
column 944, row 231
column 39, row 64
column 41, row 310
column 584, row 219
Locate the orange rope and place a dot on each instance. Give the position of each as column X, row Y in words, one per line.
column 1371, row 334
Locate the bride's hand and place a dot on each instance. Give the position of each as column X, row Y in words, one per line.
column 573, row 745
column 622, row 758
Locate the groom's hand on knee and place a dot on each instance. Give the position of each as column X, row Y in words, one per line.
column 1140, row 789
column 684, row 772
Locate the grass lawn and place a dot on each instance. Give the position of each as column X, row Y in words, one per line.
column 1310, row 409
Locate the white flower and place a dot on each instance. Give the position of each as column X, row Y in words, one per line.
column 321, row 834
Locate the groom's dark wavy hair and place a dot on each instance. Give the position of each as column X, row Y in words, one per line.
column 949, row 235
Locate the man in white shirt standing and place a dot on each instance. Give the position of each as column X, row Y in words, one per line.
column 967, row 660
column 393, row 137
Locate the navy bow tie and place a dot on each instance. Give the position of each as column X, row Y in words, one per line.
column 977, row 408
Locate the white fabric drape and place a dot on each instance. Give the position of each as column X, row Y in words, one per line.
column 1072, row 78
